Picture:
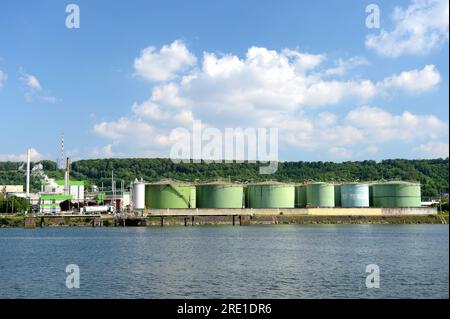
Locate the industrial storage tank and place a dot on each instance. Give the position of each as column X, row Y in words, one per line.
column 246, row 202
column 300, row 196
column 396, row 194
column 169, row 194
column 354, row 195
column 138, row 194
column 271, row 195
column 371, row 195
column 320, row 195
column 337, row 195
column 220, row 195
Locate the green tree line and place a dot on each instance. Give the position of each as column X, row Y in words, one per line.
column 433, row 174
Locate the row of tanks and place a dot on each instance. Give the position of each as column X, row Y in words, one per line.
column 170, row 194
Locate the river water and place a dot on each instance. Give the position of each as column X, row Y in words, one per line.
column 276, row 261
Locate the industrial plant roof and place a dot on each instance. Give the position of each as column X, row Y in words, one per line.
column 61, row 182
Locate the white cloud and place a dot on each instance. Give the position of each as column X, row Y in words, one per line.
column 304, row 61
column 433, row 149
column 104, row 152
column 380, row 126
column 35, row 156
column 3, row 78
column 343, row 66
column 32, row 82
column 33, row 89
column 418, row 29
column 163, row 65
column 415, row 81
column 267, row 88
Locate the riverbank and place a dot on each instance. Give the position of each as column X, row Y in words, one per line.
column 244, row 220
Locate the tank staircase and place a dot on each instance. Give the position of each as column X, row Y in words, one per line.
column 443, row 221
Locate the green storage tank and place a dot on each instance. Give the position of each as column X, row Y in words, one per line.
column 271, row 195
column 354, row 195
column 220, row 195
column 337, row 195
column 320, row 195
column 300, row 196
column 396, row 194
column 371, row 195
column 246, row 203
column 169, row 195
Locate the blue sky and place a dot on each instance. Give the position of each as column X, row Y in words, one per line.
column 136, row 70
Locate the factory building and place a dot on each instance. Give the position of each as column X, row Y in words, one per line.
column 75, row 188
column 54, row 192
column 11, row 189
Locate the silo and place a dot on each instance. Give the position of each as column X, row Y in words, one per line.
column 138, row 194
column 354, row 195
column 247, row 204
column 220, row 195
column 396, row 194
column 271, row 195
column 371, row 195
column 337, row 195
column 300, row 196
column 320, row 195
column 169, row 195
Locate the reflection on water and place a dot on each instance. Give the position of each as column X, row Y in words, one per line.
column 285, row 261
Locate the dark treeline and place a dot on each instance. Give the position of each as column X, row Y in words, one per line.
column 432, row 174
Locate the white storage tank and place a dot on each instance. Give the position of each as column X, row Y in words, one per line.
column 138, row 194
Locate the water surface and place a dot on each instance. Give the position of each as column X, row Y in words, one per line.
column 276, row 261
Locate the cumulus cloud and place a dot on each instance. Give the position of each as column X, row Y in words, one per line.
column 418, row 29
column 433, row 149
column 415, row 81
column 35, row 156
column 164, row 64
column 282, row 89
column 379, row 125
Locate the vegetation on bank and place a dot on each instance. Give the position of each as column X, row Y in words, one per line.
column 18, row 220
column 13, row 204
column 433, row 174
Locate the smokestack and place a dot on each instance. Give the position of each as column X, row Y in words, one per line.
column 67, row 177
column 28, row 171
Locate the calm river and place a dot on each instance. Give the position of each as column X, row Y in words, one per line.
column 276, row 261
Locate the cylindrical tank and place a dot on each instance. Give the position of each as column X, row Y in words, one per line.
column 396, row 194
column 371, row 195
column 300, row 196
column 320, row 195
column 337, row 195
column 220, row 195
column 354, row 195
column 138, row 195
column 247, row 204
column 271, row 195
column 169, row 195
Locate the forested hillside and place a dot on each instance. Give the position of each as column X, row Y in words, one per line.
column 433, row 174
